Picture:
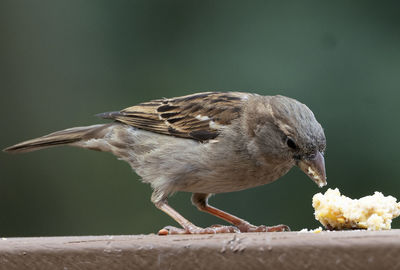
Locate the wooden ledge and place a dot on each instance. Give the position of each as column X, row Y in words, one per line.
column 288, row 250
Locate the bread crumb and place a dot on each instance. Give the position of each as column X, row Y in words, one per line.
column 338, row 212
column 316, row 177
column 317, row 230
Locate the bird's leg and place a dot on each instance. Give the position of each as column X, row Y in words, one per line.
column 200, row 201
column 187, row 226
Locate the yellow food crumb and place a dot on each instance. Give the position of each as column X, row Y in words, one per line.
column 337, row 212
column 317, row 230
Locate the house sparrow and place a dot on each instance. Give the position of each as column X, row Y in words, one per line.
column 205, row 143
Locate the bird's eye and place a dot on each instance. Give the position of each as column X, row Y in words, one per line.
column 291, row 143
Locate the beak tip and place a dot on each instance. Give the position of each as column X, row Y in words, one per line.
column 315, row 169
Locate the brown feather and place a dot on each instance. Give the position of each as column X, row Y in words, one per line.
column 194, row 116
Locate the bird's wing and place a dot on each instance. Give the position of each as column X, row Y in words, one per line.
column 198, row 116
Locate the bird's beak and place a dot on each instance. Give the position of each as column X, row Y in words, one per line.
column 314, row 168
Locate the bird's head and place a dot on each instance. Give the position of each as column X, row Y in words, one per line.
column 288, row 131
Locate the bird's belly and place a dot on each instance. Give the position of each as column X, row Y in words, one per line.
column 231, row 180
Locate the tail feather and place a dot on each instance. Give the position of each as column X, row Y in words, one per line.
column 63, row 137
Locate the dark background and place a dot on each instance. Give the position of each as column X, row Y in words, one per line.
column 61, row 62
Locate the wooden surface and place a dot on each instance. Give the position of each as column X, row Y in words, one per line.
column 289, row 250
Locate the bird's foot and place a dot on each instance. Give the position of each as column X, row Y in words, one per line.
column 197, row 230
column 247, row 227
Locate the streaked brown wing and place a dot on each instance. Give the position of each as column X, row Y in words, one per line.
column 198, row 116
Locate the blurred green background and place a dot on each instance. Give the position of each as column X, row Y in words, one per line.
column 64, row 61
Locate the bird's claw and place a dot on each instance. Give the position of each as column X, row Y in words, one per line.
column 247, row 227
column 197, row 230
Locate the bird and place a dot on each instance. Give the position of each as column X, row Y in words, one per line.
column 205, row 143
